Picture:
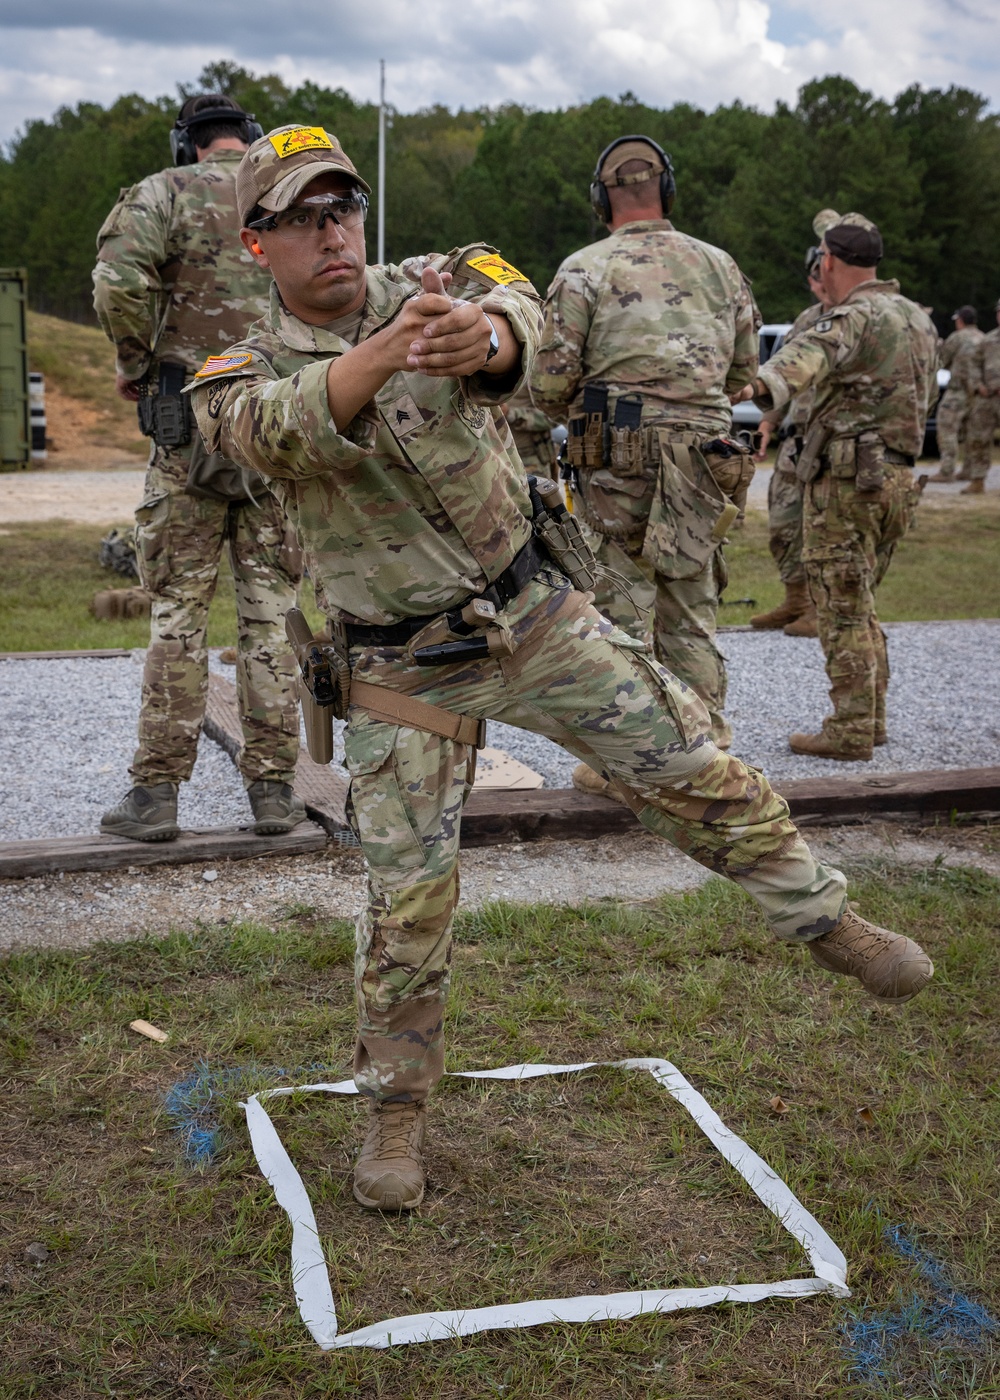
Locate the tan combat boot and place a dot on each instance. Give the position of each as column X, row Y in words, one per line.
column 888, row 965
column 389, row 1173
column 976, row 487
column 805, row 626
column 795, row 603
column 822, row 746
column 940, row 476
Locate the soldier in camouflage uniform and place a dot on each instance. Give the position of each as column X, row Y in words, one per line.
column 871, row 364
column 984, row 415
column 958, row 354
column 650, row 311
column 796, row 613
column 371, row 397
column 172, row 283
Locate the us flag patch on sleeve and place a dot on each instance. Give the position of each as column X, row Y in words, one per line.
column 222, row 364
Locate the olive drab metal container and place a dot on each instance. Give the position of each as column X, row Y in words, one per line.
column 15, row 416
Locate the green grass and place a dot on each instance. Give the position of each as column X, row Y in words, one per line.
column 946, row 567
column 48, row 575
column 169, row 1281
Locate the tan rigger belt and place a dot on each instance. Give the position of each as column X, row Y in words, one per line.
column 396, row 708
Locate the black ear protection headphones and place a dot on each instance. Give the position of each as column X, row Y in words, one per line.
column 182, row 141
column 599, row 201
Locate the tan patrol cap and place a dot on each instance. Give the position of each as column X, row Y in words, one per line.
column 625, row 151
column 277, row 168
column 823, row 220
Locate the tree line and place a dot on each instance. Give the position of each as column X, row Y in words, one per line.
column 925, row 167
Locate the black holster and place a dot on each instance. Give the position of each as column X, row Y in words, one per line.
column 166, row 416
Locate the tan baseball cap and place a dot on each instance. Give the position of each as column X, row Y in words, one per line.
column 622, row 154
column 278, row 167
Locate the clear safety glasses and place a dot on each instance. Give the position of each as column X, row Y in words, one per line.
column 302, row 220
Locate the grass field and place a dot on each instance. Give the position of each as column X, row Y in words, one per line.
column 168, row 1280
column 947, row 567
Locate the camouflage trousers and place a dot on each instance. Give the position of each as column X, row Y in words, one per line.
column 685, row 610
column 984, row 420
column 848, row 542
column 952, row 419
column 580, row 681
column 179, row 542
column 784, row 516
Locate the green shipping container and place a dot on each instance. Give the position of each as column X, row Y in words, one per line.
column 15, row 419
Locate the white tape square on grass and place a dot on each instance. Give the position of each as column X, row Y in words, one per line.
column 311, row 1279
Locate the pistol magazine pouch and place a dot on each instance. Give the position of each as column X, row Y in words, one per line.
column 693, row 505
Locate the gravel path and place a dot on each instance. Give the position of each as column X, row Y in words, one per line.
column 69, row 725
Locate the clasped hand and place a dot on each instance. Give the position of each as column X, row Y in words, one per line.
column 437, row 335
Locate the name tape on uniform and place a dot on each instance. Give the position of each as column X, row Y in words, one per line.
column 311, row 1279
column 495, row 267
column 303, row 138
column 222, row 364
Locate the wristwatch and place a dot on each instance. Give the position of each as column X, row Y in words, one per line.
column 494, row 343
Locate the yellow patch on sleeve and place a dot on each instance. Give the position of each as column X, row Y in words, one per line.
column 222, row 364
column 303, row 138
column 492, row 265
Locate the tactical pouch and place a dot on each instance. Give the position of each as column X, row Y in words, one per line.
column 561, row 535
column 575, row 429
column 625, row 454
column 167, row 416
column 213, row 477
column 689, row 515
column 870, row 458
column 595, row 414
column 732, row 468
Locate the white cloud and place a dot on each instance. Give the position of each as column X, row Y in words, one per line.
column 470, row 52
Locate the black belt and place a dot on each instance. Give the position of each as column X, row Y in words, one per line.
column 898, row 459
column 500, row 592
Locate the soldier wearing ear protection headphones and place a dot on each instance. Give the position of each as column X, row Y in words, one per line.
column 172, row 284
column 646, row 334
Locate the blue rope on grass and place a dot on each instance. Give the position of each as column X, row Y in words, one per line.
column 950, row 1316
column 192, row 1103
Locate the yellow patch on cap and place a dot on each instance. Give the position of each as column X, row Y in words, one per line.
column 303, row 138
column 222, row 364
column 492, row 265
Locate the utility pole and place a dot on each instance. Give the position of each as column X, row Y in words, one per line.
column 381, row 162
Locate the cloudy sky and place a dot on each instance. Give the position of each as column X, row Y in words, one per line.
column 543, row 53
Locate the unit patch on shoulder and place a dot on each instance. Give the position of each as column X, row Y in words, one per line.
column 824, row 325
column 222, row 364
column 303, row 138
column 493, row 266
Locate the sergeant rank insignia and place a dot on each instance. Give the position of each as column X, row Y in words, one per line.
column 493, row 266
column 303, row 138
column 222, row 364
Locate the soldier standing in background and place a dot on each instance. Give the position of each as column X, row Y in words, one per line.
column 371, row 395
column 958, row 354
column 172, row 283
column 531, row 430
column 984, row 414
column 646, row 334
column 796, row 613
column 871, row 363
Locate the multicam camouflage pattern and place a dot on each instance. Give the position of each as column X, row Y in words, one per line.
column 984, row 413
column 420, row 481
column 584, row 684
column 653, row 311
column 958, row 355
column 871, row 364
column 784, row 490
column 179, row 539
column 849, row 539
column 573, row 676
column 172, row 281
column 531, row 430
column 650, row 310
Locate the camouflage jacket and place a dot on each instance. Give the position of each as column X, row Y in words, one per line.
column 958, row 354
column 172, row 281
column 985, row 364
column 797, row 412
column 871, row 363
column 649, row 310
column 420, row 500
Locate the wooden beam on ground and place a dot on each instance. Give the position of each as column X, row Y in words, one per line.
column 322, row 789
column 19, row 859
column 100, row 654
